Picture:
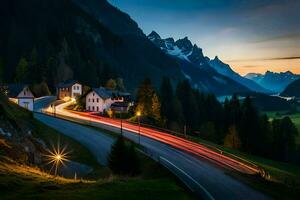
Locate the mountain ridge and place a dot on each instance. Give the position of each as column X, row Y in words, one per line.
column 274, row 81
column 188, row 52
column 292, row 90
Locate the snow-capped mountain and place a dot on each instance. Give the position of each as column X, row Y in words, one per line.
column 226, row 70
column 187, row 52
column 195, row 66
column 273, row 81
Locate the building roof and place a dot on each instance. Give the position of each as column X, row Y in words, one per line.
column 105, row 93
column 67, row 84
column 14, row 89
column 120, row 104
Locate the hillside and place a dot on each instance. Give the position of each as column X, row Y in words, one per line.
column 25, row 175
column 292, row 90
column 90, row 41
column 73, row 44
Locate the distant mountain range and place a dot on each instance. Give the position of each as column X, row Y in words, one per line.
column 184, row 50
column 275, row 82
column 292, row 90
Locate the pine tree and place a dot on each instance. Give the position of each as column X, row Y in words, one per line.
column 117, row 160
column 123, row 159
column 1, row 71
column 156, row 106
column 188, row 103
column 249, row 126
column 232, row 139
column 284, row 141
column 111, row 84
column 144, row 98
column 120, row 85
column 133, row 162
column 21, row 71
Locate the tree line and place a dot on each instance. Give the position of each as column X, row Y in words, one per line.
column 235, row 123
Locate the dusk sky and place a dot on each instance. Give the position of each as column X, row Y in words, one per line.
column 250, row 35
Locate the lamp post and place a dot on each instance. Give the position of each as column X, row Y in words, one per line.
column 138, row 114
column 121, row 126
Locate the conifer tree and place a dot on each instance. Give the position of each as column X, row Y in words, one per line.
column 117, row 160
column 144, row 98
column 111, row 84
column 1, row 71
column 21, row 70
column 156, row 106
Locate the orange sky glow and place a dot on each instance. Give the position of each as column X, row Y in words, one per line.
column 261, row 66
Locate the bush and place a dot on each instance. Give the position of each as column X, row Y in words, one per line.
column 123, row 159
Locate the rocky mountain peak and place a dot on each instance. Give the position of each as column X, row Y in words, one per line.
column 184, row 44
column 154, row 36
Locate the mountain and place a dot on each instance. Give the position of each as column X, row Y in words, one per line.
column 89, row 40
column 226, row 70
column 92, row 41
column 195, row 66
column 273, row 81
column 292, row 90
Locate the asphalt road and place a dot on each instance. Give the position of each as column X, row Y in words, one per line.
column 206, row 179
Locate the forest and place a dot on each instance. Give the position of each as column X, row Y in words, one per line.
column 236, row 123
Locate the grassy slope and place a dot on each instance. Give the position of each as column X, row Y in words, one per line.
column 50, row 136
column 20, row 182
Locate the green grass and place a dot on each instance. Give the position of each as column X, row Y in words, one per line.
column 155, row 182
column 18, row 185
column 295, row 117
column 23, row 182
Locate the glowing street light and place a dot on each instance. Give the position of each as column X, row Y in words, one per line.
column 58, row 156
column 138, row 114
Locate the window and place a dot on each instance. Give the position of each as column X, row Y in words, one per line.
column 97, row 109
column 89, row 100
column 74, row 87
column 93, row 100
column 24, row 93
column 97, row 100
column 93, row 94
column 77, row 87
column 89, row 108
column 93, row 108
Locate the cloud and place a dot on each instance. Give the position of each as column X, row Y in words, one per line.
column 264, row 59
column 291, row 37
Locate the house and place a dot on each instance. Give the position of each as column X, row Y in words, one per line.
column 120, row 107
column 101, row 99
column 68, row 90
column 20, row 94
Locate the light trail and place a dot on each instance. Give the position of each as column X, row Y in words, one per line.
column 174, row 141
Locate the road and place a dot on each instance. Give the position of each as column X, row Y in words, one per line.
column 205, row 178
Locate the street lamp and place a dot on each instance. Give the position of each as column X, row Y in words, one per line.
column 121, row 125
column 57, row 157
column 138, row 114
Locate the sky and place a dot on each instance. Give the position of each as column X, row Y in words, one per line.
column 250, row 35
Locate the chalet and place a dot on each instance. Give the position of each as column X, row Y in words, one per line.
column 20, row 94
column 101, row 99
column 68, row 90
